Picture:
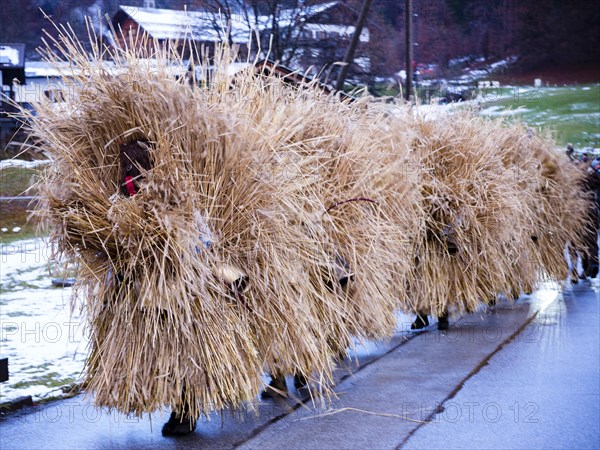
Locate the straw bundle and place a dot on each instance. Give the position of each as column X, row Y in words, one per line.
column 335, row 158
column 475, row 215
column 339, row 153
column 163, row 321
column 557, row 203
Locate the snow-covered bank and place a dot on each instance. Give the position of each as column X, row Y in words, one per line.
column 43, row 342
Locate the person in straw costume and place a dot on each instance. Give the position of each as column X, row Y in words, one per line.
column 505, row 196
column 592, row 185
column 553, row 186
column 476, row 220
column 336, row 157
column 177, row 320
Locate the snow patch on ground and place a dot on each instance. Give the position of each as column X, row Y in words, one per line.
column 5, row 163
column 501, row 111
column 44, row 343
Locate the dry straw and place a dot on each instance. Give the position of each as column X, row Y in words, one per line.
column 275, row 222
column 499, row 206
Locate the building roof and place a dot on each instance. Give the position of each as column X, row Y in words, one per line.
column 166, row 24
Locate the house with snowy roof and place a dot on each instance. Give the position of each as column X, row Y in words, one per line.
column 313, row 35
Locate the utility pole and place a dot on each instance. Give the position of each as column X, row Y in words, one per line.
column 409, row 50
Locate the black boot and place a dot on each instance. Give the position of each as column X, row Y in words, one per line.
column 421, row 321
column 178, row 425
column 591, row 271
column 300, row 381
column 443, row 323
column 276, row 388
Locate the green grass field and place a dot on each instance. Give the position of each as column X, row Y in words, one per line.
column 17, row 181
column 16, row 213
column 571, row 113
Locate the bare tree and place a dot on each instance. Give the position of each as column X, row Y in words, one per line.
column 277, row 24
column 349, row 57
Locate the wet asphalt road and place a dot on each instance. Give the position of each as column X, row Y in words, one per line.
column 520, row 376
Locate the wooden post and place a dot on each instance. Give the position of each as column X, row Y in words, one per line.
column 3, row 369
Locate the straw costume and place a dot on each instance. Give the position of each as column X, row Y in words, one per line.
column 477, row 219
